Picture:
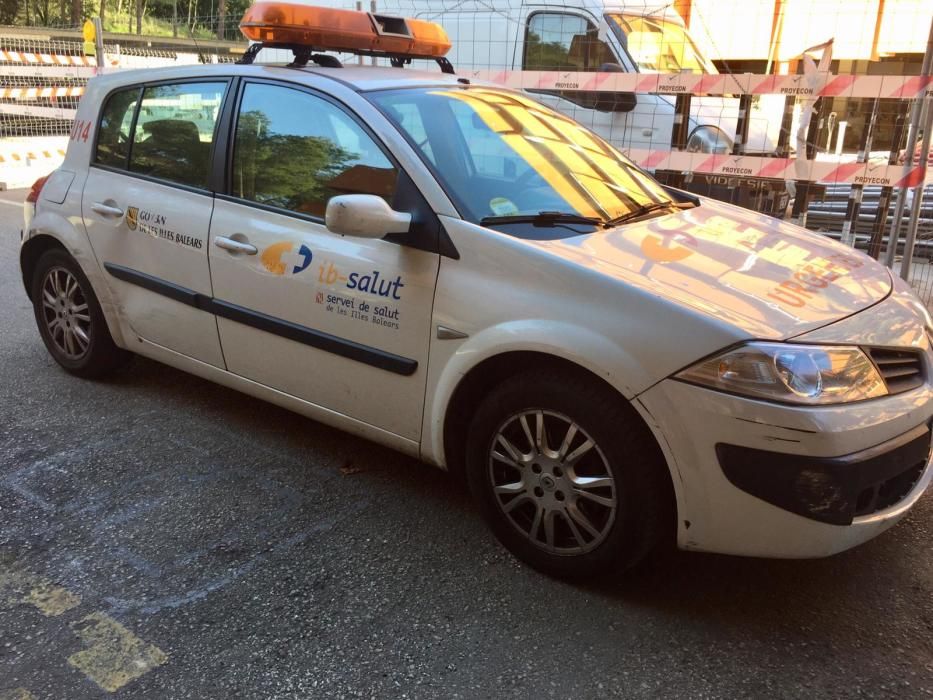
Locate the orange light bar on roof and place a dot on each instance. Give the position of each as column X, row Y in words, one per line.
column 328, row 29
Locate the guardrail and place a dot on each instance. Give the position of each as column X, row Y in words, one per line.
column 38, row 75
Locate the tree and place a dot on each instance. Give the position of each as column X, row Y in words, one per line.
column 9, row 9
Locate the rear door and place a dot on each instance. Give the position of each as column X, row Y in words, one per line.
column 147, row 208
column 338, row 321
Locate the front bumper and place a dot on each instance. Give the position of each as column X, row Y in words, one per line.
column 761, row 479
column 833, row 490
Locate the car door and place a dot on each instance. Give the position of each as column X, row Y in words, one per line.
column 147, row 206
column 338, row 321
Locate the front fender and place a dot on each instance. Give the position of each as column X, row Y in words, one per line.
column 452, row 360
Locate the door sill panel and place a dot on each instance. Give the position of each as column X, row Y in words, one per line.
column 260, row 391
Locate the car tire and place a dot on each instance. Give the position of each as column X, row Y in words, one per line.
column 70, row 319
column 619, row 484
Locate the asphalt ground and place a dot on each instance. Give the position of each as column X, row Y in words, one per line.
column 162, row 537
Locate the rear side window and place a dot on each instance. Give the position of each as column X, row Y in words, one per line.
column 295, row 151
column 174, row 132
column 116, row 121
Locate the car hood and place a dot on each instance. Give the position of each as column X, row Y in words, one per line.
column 771, row 279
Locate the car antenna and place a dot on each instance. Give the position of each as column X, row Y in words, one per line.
column 197, row 46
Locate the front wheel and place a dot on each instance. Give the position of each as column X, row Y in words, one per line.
column 567, row 475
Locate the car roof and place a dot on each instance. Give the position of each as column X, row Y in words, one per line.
column 354, row 76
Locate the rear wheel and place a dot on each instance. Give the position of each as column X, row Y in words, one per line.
column 567, row 475
column 69, row 317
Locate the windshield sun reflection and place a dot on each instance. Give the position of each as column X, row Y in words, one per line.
column 506, row 155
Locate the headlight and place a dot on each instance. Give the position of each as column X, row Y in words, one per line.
column 803, row 374
column 709, row 139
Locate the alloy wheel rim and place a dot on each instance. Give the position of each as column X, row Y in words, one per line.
column 552, row 482
column 66, row 313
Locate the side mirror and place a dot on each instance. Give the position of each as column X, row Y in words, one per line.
column 614, row 101
column 365, row 216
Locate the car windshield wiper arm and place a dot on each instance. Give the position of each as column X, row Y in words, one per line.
column 542, row 218
column 646, row 209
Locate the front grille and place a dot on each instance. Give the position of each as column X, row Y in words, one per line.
column 902, row 370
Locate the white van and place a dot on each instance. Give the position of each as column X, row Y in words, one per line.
column 630, row 36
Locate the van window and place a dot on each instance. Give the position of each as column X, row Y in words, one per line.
column 659, row 45
column 560, row 41
column 295, row 151
column 116, row 120
column 556, row 41
column 175, row 130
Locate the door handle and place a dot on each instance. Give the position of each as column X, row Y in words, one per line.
column 106, row 209
column 235, row 246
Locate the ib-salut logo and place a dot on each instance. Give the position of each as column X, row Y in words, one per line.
column 353, row 306
column 369, row 282
column 286, row 257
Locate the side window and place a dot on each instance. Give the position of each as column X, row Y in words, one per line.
column 174, row 132
column 295, row 151
column 116, row 120
column 565, row 42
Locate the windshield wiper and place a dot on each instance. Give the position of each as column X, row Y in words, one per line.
column 542, row 219
column 647, row 209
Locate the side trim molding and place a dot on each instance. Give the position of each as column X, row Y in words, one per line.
column 286, row 329
column 159, row 286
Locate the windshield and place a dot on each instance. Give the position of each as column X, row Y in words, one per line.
column 658, row 45
column 500, row 154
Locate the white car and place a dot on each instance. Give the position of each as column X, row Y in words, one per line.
column 462, row 274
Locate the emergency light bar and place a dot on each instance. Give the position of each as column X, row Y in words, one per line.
column 304, row 29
